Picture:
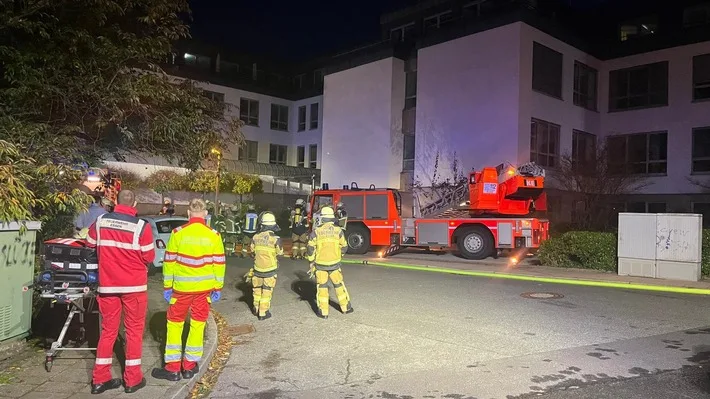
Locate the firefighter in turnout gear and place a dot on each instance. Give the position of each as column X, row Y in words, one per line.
column 193, row 278
column 249, row 229
column 342, row 216
column 266, row 246
column 299, row 230
column 326, row 247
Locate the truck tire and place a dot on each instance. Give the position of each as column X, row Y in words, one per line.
column 358, row 238
column 475, row 243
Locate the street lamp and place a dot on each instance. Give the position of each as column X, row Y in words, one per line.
column 218, row 153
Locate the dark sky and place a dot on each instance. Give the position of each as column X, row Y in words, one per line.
column 295, row 30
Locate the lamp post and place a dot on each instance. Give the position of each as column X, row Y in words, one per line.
column 217, row 153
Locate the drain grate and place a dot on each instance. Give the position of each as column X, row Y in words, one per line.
column 541, row 295
column 240, row 329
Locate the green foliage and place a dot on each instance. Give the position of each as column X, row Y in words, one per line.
column 239, row 183
column 592, row 250
column 202, row 181
column 164, row 181
column 85, row 75
column 580, row 249
column 129, row 180
column 37, row 190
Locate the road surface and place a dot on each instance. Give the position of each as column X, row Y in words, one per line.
column 418, row 334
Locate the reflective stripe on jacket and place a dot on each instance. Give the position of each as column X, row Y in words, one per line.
column 194, row 259
column 124, row 246
column 266, row 246
column 326, row 246
column 250, row 222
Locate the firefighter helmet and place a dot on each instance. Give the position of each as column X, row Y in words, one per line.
column 300, row 201
column 268, row 219
column 251, row 208
column 327, row 213
column 340, row 205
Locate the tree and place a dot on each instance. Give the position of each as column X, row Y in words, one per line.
column 85, row 74
column 26, row 195
column 596, row 182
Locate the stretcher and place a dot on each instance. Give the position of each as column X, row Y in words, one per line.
column 69, row 278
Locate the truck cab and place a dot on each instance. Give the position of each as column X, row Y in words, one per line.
column 373, row 214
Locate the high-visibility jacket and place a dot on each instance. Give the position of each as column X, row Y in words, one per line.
column 194, row 259
column 250, row 222
column 124, row 244
column 266, row 246
column 326, row 246
column 299, row 223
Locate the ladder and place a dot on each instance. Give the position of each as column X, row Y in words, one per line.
column 449, row 198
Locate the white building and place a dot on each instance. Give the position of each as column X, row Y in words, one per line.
column 281, row 111
column 469, row 91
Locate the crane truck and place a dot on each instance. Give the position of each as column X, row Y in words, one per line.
column 495, row 209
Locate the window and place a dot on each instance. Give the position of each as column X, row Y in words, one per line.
column 313, row 156
column 656, row 207
column 249, row 111
column 638, row 87
column 301, row 118
column 301, row 156
column 314, row 116
column 279, row 117
column 544, row 143
column 376, row 206
column 701, row 150
column 697, row 15
column 249, row 151
column 638, row 27
column 298, row 81
column 402, row 33
column 355, row 206
column 584, row 148
column 408, row 152
column 585, row 86
column 198, row 61
column 277, row 154
column 476, row 8
column 410, row 85
column 214, row 96
column 703, row 208
column 701, row 77
column 438, row 20
column 167, row 226
column 641, row 153
column 547, row 71
column 318, row 78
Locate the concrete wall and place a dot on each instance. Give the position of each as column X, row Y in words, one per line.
column 467, row 103
column 362, row 125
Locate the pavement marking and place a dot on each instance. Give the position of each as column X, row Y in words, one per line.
column 551, row 280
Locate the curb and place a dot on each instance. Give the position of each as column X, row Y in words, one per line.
column 182, row 390
column 551, row 280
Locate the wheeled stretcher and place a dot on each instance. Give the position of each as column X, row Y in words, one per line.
column 69, row 277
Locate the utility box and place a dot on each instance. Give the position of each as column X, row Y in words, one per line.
column 661, row 245
column 17, row 260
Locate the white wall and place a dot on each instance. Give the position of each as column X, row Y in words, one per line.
column 467, row 103
column 678, row 118
column 362, row 125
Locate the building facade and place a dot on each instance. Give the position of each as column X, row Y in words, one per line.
column 460, row 85
column 281, row 110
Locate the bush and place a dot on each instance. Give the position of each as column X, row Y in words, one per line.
column 590, row 250
column 129, row 180
column 164, row 181
column 580, row 249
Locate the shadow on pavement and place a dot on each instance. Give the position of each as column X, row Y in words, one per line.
column 48, row 323
column 246, row 290
column 306, row 289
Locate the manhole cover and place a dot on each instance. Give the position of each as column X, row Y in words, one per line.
column 541, row 295
column 241, row 329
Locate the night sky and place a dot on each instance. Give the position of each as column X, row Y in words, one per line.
column 295, row 30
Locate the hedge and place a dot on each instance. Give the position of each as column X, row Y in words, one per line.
column 592, row 250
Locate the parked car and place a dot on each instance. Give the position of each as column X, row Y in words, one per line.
column 162, row 226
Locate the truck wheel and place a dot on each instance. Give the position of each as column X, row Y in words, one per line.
column 475, row 243
column 358, row 238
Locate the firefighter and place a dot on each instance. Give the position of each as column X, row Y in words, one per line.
column 266, row 246
column 249, row 229
column 193, row 278
column 341, row 215
column 326, row 247
column 299, row 230
column 125, row 245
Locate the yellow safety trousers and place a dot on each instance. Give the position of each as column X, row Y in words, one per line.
column 263, row 289
column 323, row 294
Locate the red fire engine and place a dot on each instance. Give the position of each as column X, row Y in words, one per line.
column 494, row 210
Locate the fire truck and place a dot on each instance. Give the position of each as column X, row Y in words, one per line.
column 494, row 210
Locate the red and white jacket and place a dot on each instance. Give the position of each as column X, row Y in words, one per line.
column 125, row 245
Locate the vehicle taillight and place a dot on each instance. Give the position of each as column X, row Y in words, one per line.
column 160, row 244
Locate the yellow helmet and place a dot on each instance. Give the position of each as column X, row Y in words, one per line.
column 327, row 212
column 268, row 219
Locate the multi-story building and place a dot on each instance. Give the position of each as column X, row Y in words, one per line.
column 456, row 85
column 281, row 108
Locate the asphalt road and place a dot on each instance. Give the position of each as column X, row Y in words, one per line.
column 430, row 335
